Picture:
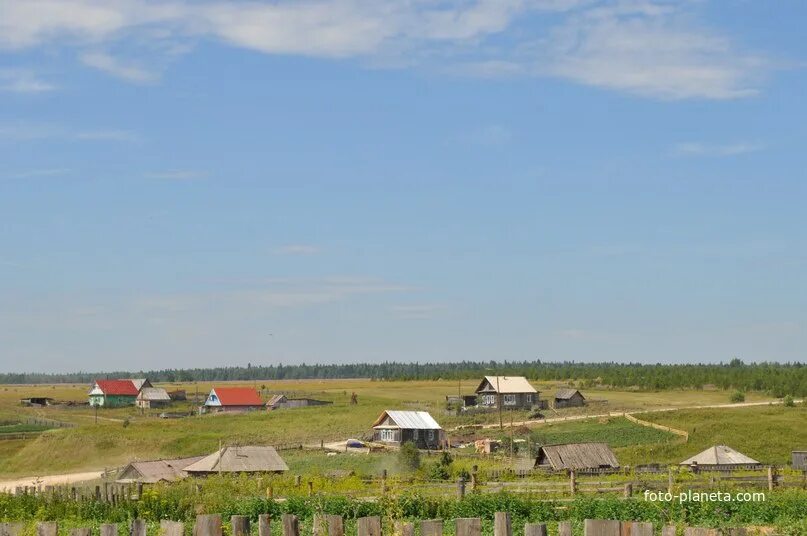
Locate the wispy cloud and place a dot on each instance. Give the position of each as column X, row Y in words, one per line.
column 707, row 149
column 653, row 49
column 34, row 131
column 299, row 249
column 117, row 68
column 417, row 311
column 37, row 173
column 176, row 175
column 23, row 81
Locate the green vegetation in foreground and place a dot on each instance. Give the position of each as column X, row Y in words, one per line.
column 784, row 509
column 617, row 432
column 20, row 427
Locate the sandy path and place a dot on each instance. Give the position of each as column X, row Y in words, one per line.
column 49, row 480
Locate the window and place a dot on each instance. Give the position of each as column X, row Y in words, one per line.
column 529, row 399
column 488, row 400
column 430, row 435
column 415, row 434
column 509, row 400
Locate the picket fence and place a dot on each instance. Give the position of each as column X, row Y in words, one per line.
column 333, row 525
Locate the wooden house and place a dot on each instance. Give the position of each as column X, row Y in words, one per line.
column 720, row 458
column 799, row 458
column 512, row 392
column 153, row 397
column 153, row 471
column 233, row 399
column 113, row 393
column 576, row 456
column 418, row 427
column 246, row 459
column 569, row 398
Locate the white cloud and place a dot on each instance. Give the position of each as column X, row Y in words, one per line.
column 417, row 311
column 22, row 81
column 33, row 131
column 109, row 64
column 176, row 175
column 37, row 173
column 298, row 249
column 650, row 48
column 706, row 149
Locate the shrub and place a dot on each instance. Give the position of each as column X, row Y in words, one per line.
column 737, row 396
column 789, row 402
column 409, row 457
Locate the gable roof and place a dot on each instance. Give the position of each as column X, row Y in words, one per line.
column 507, row 384
column 566, row 394
column 248, row 459
column 153, row 394
column 409, row 420
column 139, row 383
column 578, row 456
column 238, row 396
column 117, row 387
column 720, row 455
column 152, row 471
column 276, row 399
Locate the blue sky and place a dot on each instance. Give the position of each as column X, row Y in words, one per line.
column 207, row 183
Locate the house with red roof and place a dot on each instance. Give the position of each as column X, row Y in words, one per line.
column 116, row 393
column 233, row 399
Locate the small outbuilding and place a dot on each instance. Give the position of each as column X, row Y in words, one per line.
column 283, row 402
column 513, row 392
column 153, row 397
column 721, row 457
column 576, row 456
column 178, row 395
column 799, row 460
column 569, row 398
column 36, row 401
column 247, row 459
column 113, row 393
column 418, row 427
column 233, row 399
column 153, row 471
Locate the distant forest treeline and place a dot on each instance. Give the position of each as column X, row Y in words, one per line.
column 778, row 379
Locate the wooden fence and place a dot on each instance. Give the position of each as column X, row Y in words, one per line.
column 333, row 525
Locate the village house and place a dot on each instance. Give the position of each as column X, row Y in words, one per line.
column 153, row 471
column 246, row 459
column 720, row 457
column 418, row 427
column 233, row 399
column 569, row 398
column 153, row 397
column 576, row 456
column 113, row 393
column 512, row 392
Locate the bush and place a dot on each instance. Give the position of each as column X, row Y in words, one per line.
column 789, row 402
column 409, row 457
column 737, row 396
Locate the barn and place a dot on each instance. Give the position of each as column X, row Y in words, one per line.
column 418, row 427
column 233, row 399
column 153, row 471
column 569, row 398
column 113, row 393
column 237, row 459
column 721, row 457
column 153, row 397
column 283, row 402
column 514, row 392
column 576, row 456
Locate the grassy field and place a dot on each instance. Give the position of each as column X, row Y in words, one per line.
column 125, row 434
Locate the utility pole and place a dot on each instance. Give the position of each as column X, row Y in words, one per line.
column 499, row 403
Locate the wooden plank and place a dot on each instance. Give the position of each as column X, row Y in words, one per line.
column 84, row 531
column 502, row 524
column 47, row 528
column 565, row 528
column 138, row 527
column 171, row 528
column 207, row 525
column 264, row 525
column 636, row 528
column 601, row 527
column 336, row 525
column 240, row 525
column 11, row 529
column 668, row 530
column 109, row 529
column 291, row 525
column 468, row 526
column 369, row 526
column 535, row 529
column 431, row 527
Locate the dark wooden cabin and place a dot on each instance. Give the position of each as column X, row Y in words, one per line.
column 399, row 427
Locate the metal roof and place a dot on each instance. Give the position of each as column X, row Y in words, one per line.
column 507, row 384
column 117, row 387
column 152, row 471
column 409, row 420
column 577, row 456
column 720, row 455
column 566, row 394
column 248, row 459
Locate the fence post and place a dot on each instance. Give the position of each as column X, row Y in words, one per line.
column 601, row 527
column 310, row 488
column 474, row 477
column 431, row 527
column 468, row 526
column 461, row 488
column 291, row 525
column 502, row 524
column 565, row 528
column 207, row 525
column 668, row 530
column 138, row 527
column 109, row 529
column 637, row 528
column 535, row 529
column 771, row 478
column 240, row 525
column 336, row 525
column 171, row 528
column 11, row 529
column 628, row 490
column 670, row 480
column 369, row 526
column 383, row 481
column 83, row 531
column 47, row 528
column 264, row 525
column 572, row 482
